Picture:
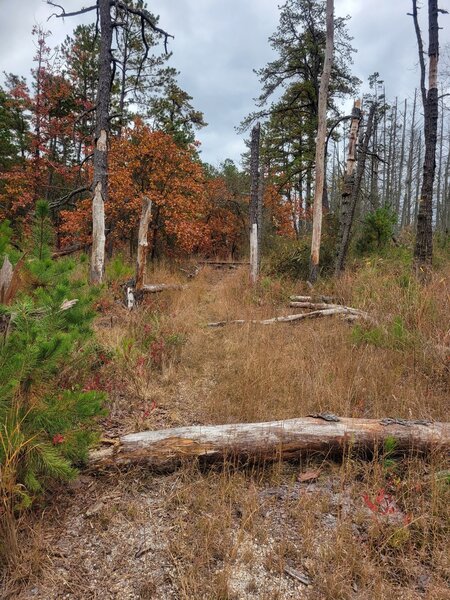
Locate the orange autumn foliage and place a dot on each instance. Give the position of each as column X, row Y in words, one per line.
column 148, row 163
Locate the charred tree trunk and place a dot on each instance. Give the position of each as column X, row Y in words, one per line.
column 423, row 251
column 254, row 202
column 166, row 450
column 100, row 182
column 320, row 144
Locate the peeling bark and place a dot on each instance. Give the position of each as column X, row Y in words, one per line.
column 141, row 260
column 320, row 143
column 100, row 182
column 166, row 450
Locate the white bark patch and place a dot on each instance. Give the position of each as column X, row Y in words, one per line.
column 130, row 298
column 102, row 141
column 98, row 235
column 254, row 253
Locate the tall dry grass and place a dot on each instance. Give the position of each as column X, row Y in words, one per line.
column 231, row 535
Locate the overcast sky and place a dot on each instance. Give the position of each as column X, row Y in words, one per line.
column 218, row 43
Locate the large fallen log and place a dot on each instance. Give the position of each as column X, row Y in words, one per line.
column 336, row 310
column 323, row 434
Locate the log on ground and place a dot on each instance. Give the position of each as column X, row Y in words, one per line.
column 326, row 435
column 160, row 287
column 346, row 311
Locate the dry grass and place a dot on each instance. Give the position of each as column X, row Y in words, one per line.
column 225, row 534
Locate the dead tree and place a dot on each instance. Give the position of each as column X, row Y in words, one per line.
column 423, row 251
column 254, row 212
column 406, row 209
column 320, row 143
column 351, row 194
column 108, row 22
column 141, row 261
column 318, row 434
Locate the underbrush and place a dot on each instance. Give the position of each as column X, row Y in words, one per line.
column 46, row 418
column 374, row 529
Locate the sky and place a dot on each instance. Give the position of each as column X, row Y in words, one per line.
column 218, row 43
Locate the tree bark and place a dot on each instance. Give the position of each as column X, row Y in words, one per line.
column 325, row 434
column 100, row 182
column 320, row 143
column 141, row 260
column 423, row 251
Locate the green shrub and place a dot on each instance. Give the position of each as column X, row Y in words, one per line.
column 396, row 335
column 377, row 230
column 118, row 269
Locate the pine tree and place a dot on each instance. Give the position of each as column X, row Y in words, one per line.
column 45, row 427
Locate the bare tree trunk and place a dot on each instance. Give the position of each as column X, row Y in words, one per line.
column 445, row 205
column 406, row 212
column 391, row 167
column 326, row 434
column 100, row 182
column 439, row 173
column 400, row 168
column 320, row 144
column 423, row 252
column 254, row 201
column 418, row 177
column 350, row 201
column 141, row 261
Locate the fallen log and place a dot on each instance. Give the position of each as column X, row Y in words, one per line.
column 325, row 299
column 161, row 287
column 336, row 310
column 324, row 434
column 314, row 305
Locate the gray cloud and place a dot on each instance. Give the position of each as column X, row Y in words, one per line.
column 218, row 43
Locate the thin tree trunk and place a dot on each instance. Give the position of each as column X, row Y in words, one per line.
column 254, row 201
column 100, row 182
column 168, row 449
column 400, row 169
column 141, row 260
column 418, row 177
column 320, row 144
column 410, row 168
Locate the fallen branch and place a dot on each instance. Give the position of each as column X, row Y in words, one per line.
column 166, row 450
column 336, row 310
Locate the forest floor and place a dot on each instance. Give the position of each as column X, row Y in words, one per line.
column 314, row 530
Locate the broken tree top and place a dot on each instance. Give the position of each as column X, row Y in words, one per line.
column 258, row 442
